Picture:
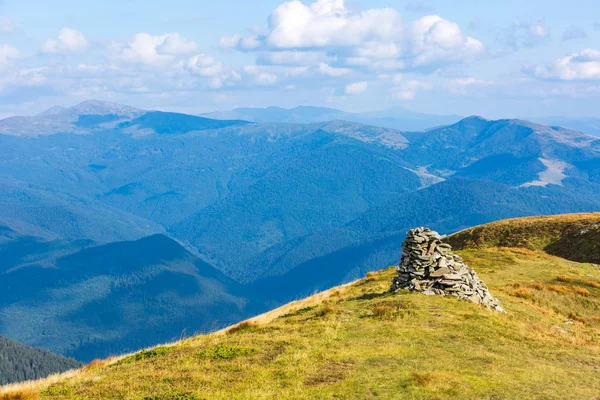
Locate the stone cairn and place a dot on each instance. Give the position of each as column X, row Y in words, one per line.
column 429, row 266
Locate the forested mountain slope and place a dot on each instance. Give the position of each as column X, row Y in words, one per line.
column 21, row 363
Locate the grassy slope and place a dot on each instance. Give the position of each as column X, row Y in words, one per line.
column 359, row 342
column 572, row 236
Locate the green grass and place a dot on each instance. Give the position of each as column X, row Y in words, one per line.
column 364, row 343
column 359, row 341
column 575, row 237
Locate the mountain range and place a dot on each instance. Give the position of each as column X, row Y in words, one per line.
column 394, row 118
column 121, row 228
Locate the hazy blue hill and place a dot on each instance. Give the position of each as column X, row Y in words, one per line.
column 319, row 181
column 22, row 363
column 68, row 216
column 166, row 123
column 511, row 145
column 283, row 208
column 345, row 253
column 301, row 115
column 115, row 298
column 393, row 118
column 586, row 125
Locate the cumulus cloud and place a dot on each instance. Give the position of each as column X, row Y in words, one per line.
column 261, row 76
column 147, row 49
column 208, row 67
column 69, row 40
column 7, row 54
column 373, row 38
column 584, row 65
column 573, row 33
column 328, row 70
column 462, row 85
column 291, row 57
column 356, row 88
column 435, row 40
column 6, row 25
column 407, row 90
column 527, row 34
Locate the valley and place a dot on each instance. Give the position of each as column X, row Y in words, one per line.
column 359, row 340
column 122, row 228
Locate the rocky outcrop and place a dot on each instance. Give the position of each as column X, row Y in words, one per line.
column 429, row 266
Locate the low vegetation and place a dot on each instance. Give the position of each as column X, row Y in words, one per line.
column 358, row 341
column 575, row 237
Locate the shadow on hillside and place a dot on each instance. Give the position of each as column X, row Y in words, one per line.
column 370, row 296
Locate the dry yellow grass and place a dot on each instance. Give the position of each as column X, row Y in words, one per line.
column 357, row 341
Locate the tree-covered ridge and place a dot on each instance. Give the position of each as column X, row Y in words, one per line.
column 21, row 363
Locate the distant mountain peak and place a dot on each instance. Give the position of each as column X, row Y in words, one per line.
column 476, row 118
column 54, row 110
column 96, row 107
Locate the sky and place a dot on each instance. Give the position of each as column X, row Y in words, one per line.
column 495, row 58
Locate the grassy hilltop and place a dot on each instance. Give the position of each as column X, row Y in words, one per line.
column 359, row 342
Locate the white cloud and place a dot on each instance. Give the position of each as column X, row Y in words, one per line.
column 573, row 33
column 584, row 65
column 204, row 65
column 436, row 40
column 147, row 49
column 328, row 70
column 7, row 54
column 174, row 44
column 291, row 57
column 69, row 41
column 261, row 76
column 229, row 42
column 461, row 85
column 356, row 88
column 528, row 34
column 6, row 25
column 374, row 39
column 407, row 90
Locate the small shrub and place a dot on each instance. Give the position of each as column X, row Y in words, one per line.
column 577, row 317
column 563, row 278
column 224, row 352
column 384, row 311
column 21, row 394
column 371, row 276
column 594, row 284
column 581, row 291
column 523, row 294
column 301, row 311
column 422, row 379
column 96, row 364
column 146, row 354
column 326, row 309
column 536, row 285
column 559, row 289
column 172, row 395
column 58, row 389
column 243, row 327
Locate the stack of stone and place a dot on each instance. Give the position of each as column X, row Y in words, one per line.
column 429, row 266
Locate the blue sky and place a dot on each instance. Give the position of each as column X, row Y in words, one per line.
column 493, row 58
